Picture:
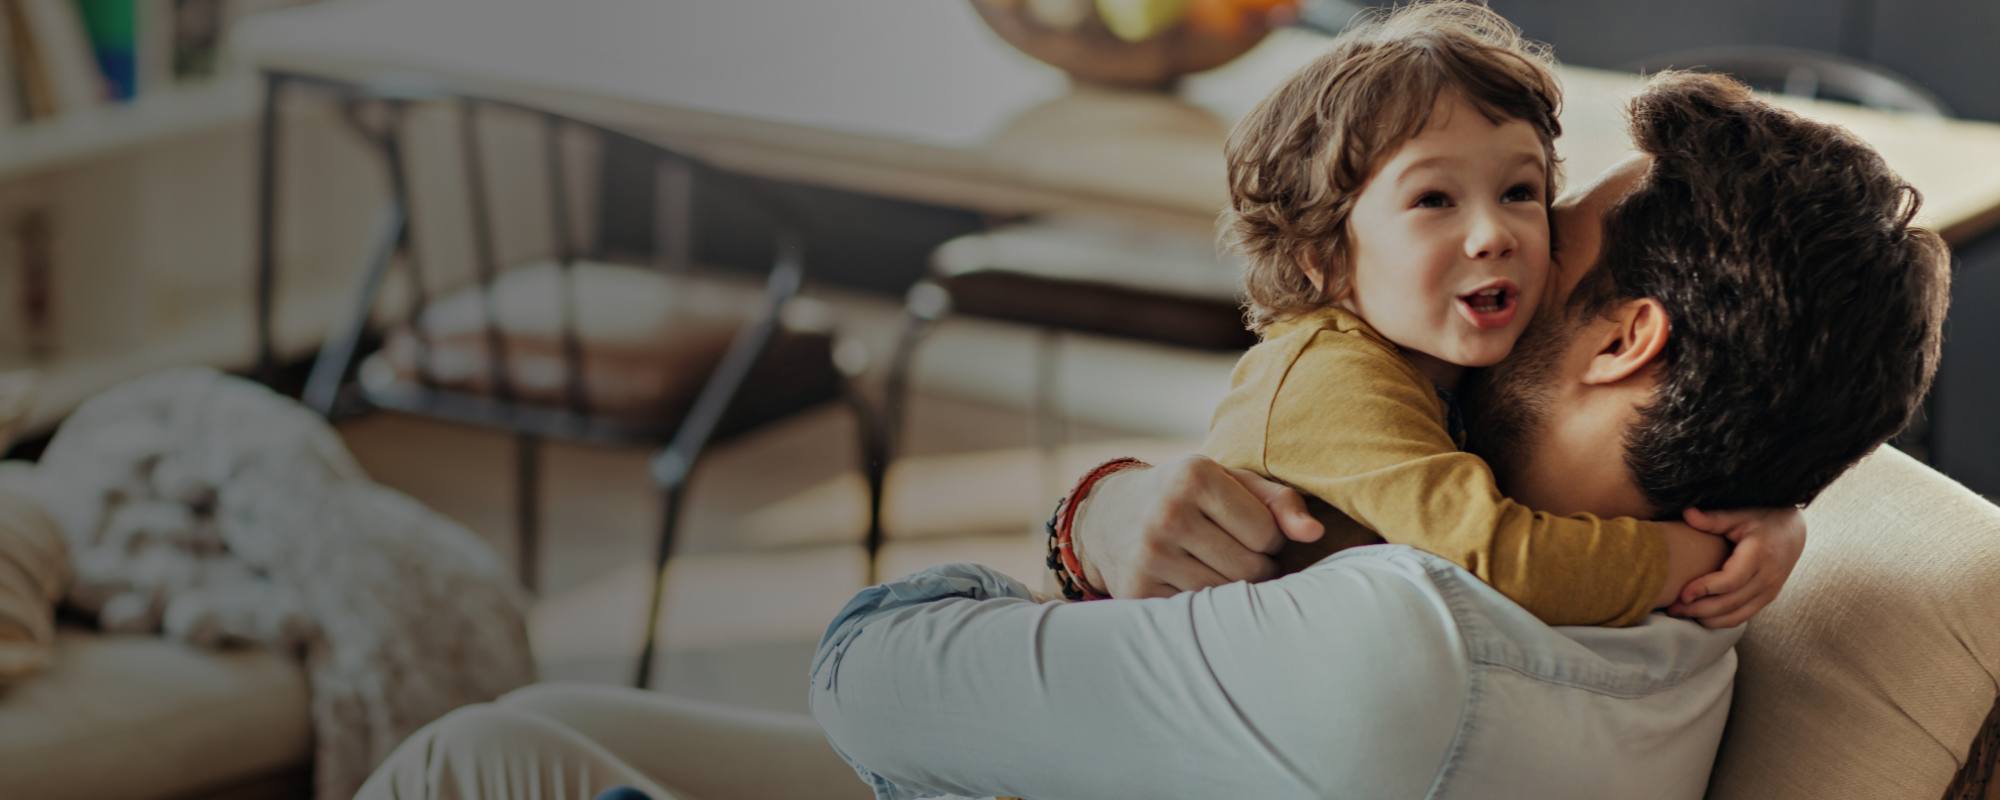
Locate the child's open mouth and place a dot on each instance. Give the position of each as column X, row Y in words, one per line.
column 1490, row 306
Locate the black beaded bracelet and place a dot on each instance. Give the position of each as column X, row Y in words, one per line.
column 1068, row 582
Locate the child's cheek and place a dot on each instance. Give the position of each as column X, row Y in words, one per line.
column 1531, row 299
column 1536, row 284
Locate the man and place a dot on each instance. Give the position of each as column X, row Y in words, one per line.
column 1746, row 311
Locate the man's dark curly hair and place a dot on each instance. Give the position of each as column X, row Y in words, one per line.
column 1805, row 309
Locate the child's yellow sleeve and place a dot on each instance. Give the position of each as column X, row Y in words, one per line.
column 1355, row 426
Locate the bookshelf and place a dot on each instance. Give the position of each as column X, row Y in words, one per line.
column 94, row 163
column 82, row 80
column 221, row 336
column 124, row 196
column 110, row 129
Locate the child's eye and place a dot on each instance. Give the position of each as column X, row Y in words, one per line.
column 1432, row 200
column 1521, row 193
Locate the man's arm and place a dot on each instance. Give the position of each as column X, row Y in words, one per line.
column 1188, row 524
column 1192, row 523
column 950, row 681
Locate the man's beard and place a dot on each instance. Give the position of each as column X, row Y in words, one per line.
column 1507, row 405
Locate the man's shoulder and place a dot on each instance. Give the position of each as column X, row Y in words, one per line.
column 1653, row 657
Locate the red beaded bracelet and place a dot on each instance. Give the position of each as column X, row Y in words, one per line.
column 1062, row 548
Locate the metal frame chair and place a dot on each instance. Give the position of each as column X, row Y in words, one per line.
column 721, row 407
column 1059, row 297
column 1806, row 73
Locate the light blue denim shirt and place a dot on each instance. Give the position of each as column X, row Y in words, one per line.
column 1380, row 672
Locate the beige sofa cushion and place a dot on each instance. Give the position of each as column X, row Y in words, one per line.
column 139, row 716
column 34, row 564
column 1873, row 672
column 34, row 573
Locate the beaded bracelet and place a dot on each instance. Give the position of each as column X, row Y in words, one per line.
column 1062, row 558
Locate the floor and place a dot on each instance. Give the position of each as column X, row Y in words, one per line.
column 771, row 543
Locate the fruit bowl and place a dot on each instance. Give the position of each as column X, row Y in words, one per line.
column 1134, row 44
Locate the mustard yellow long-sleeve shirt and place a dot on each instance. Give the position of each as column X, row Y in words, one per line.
column 1326, row 405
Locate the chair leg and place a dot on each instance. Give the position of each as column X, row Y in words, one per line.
column 875, row 468
column 1051, row 428
column 267, row 230
column 669, row 523
column 896, row 383
column 882, row 438
column 527, row 507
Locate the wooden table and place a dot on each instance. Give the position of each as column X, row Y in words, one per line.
column 916, row 99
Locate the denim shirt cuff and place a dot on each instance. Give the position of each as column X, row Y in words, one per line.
column 942, row 582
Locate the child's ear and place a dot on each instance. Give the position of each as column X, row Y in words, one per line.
column 1319, row 274
column 1314, row 274
column 1632, row 343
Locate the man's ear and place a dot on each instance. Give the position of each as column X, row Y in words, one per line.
column 1637, row 339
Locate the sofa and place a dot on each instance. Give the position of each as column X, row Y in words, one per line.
column 85, row 714
column 128, row 716
column 1873, row 676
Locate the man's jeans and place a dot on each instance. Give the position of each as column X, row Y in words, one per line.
column 1380, row 672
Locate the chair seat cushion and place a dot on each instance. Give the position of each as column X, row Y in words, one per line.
column 1099, row 276
column 647, row 340
column 140, row 716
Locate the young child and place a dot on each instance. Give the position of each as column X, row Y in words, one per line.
column 1391, row 200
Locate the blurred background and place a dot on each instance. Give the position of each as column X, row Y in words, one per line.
column 812, row 292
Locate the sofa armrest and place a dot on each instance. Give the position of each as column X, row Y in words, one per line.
column 1873, row 674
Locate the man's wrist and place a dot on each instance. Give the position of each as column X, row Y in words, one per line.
column 1112, row 485
column 1064, row 559
column 1091, row 577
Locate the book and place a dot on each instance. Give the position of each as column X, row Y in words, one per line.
column 56, row 28
column 38, row 93
column 154, row 45
column 112, row 27
column 197, row 37
column 11, row 111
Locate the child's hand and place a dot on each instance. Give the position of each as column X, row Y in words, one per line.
column 1767, row 545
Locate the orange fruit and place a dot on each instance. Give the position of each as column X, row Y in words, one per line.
column 1219, row 18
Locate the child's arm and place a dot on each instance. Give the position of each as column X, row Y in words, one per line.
column 1356, row 427
column 1767, row 542
column 1691, row 554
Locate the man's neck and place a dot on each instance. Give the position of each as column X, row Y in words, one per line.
column 1583, row 469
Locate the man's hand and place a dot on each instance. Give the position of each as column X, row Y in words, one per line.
column 1186, row 525
column 1767, row 545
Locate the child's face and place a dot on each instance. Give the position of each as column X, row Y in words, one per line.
column 1449, row 240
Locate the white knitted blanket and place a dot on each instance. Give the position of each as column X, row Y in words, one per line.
column 218, row 512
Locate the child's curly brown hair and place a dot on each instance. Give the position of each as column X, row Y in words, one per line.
column 1297, row 161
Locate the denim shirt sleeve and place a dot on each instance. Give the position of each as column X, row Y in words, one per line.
column 955, row 682
column 947, row 581
column 1380, row 672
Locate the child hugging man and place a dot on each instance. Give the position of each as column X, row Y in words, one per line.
column 1391, row 203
